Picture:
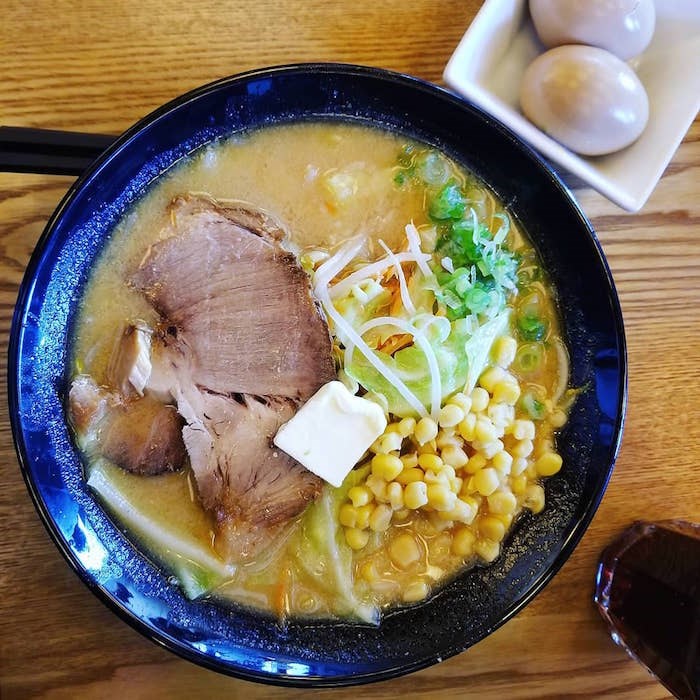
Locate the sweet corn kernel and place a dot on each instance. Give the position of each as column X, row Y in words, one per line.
column 507, row 391
column 475, row 463
column 360, row 495
column 418, row 590
column 486, row 481
column 534, row 498
column 519, row 466
column 450, row 415
column 409, row 460
column 522, row 448
column 389, row 442
column 448, row 438
column 455, row 484
column 368, row 571
column 391, row 428
column 449, row 471
column 505, row 518
column 415, row 495
column 503, row 350
column 462, row 512
column 431, row 462
column 440, row 497
column 462, row 400
column 491, row 528
column 488, row 550
column 409, row 475
column 401, row 515
column 394, row 493
column 480, row 399
column 388, row 467
column 363, row 513
column 431, row 477
column 490, row 377
column 426, row 430
column 548, row 464
column 466, row 427
column 502, row 502
column 523, row 429
column 404, row 550
column 484, row 430
column 502, row 461
column 377, row 485
column 380, row 519
column 356, row 539
column 347, row 515
column 518, row 484
column 429, row 448
column 489, row 449
column 454, row 456
column 463, row 542
column 501, row 415
column 407, row 426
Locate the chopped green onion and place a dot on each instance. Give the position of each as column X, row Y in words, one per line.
column 448, row 203
column 531, row 327
column 533, row 406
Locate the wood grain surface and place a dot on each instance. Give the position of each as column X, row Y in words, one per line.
column 98, row 66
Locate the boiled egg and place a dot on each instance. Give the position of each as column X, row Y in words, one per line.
column 623, row 27
column 585, row 98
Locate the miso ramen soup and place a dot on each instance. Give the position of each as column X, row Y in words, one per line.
column 255, row 274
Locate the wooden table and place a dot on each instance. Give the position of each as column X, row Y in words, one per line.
column 98, row 66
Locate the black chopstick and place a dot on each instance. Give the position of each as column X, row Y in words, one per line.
column 49, row 152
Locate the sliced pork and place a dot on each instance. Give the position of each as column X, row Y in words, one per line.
column 242, row 303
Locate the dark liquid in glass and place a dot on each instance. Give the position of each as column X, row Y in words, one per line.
column 648, row 591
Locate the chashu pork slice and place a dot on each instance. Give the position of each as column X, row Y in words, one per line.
column 242, row 303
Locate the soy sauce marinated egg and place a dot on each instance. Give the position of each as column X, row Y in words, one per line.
column 585, row 98
column 623, row 27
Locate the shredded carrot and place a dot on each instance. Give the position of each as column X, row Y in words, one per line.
column 281, row 596
column 396, row 342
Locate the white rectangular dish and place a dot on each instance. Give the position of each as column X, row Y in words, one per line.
column 488, row 65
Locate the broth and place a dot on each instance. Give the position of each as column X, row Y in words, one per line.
column 327, row 182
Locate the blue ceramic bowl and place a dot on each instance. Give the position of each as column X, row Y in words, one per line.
column 237, row 641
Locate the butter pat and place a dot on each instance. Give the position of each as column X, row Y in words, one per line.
column 331, row 431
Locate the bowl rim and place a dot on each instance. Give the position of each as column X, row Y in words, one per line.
column 16, row 339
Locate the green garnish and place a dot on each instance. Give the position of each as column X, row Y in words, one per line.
column 448, row 203
column 531, row 327
column 533, row 406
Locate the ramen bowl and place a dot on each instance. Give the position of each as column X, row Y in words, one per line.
column 236, row 640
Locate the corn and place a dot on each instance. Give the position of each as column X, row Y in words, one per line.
column 480, row 399
column 360, row 495
column 518, row 466
column 462, row 512
column 415, row 495
column 409, row 460
column 548, row 464
column 487, row 550
column 501, row 415
column 368, row 571
column 380, row 519
column 467, row 426
column 450, row 415
column 491, row 377
column 401, row 515
column 407, row 426
column 489, row 449
column 426, row 430
column 394, row 493
column 404, row 550
column 463, row 542
column 505, row 518
column 448, row 438
column 518, row 484
column 431, row 477
column 377, row 485
column 503, row 350
column 475, row 463
column 502, row 461
column 484, row 430
column 418, row 590
column 522, row 448
column 388, row 467
column 440, row 497
column 502, row 502
column 455, row 484
column 507, row 391
column 534, row 498
column 389, row 442
column 454, row 456
column 409, row 475
column 558, row 418
column 431, row 462
column 429, row 448
column 461, row 400
column 347, row 515
column 363, row 513
column 449, row 471
column 491, row 528
column 486, row 481
column 356, row 539
column 523, row 429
